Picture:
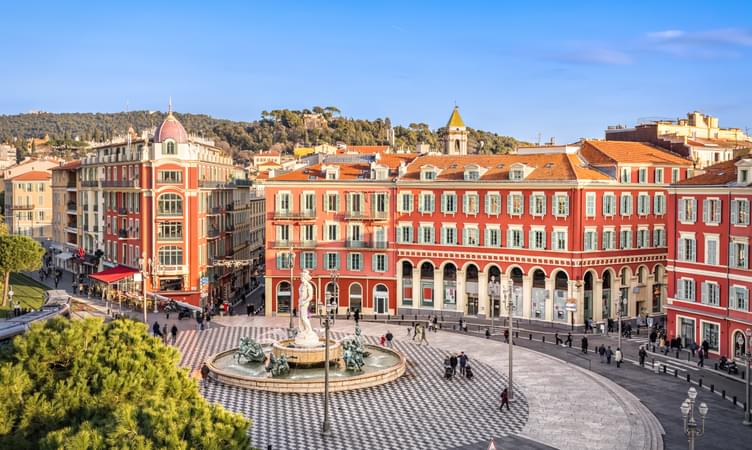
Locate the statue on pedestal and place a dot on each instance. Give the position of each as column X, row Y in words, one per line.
column 306, row 337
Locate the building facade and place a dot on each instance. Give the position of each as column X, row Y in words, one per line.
column 65, row 213
column 708, row 263
column 28, row 204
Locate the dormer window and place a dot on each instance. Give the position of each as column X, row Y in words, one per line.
column 170, row 148
column 379, row 172
column 331, row 172
column 517, row 174
column 744, row 171
column 472, row 175
column 428, row 173
column 743, row 176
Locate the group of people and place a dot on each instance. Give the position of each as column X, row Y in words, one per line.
column 386, row 339
column 418, row 331
column 203, row 319
column 568, row 342
column 162, row 332
column 450, row 366
column 607, row 354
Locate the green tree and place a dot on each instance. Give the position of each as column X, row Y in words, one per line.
column 90, row 385
column 18, row 254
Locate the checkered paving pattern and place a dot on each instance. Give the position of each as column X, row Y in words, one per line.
column 419, row 410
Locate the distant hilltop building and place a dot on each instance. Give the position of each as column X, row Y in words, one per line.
column 312, row 121
column 697, row 137
column 455, row 142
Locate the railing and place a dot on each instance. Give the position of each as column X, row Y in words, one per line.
column 366, row 215
column 215, row 210
column 241, row 182
column 161, row 237
column 366, row 244
column 122, row 211
column 230, row 207
column 71, row 206
column 123, row 233
column 71, row 229
column 22, row 206
column 294, row 244
column 71, row 185
column 211, row 184
column 213, row 233
column 120, row 183
column 89, row 183
column 169, row 213
column 230, row 227
column 356, row 244
column 302, row 215
column 161, row 180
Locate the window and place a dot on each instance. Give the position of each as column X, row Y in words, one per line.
column 170, row 148
column 284, row 260
column 591, row 240
column 331, row 261
column 170, row 231
column 686, row 249
column 471, row 203
column 643, row 204
column 659, row 175
column 687, row 210
column 643, row 238
column 405, row 234
column 170, row 176
column 516, row 174
column 428, row 175
column 449, row 203
column 710, row 293
column 380, row 202
column 470, row 236
column 561, row 205
column 355, row 232
column 308, row 233
column 283, row 202
column 308, row 260
column 426, row 234
column 711, row 250
column 738, row 251
column 625, row 239
column 675, row 175
column 493, row 204
column 659, row 204
column 170, row 205
column 332, row 232
column 559, row 240
column 711, row 211
column 515, row 204
column 590, row 204
column 406, row 202
column 538, row 239
column 379, row 262
column 472, row 175
column 448, row 235
column 426, row 202
column 609, row 204
column 685, row 289
column 355, row 203
column 710, row 332
column 283, row 233
column 170, row 256
column 308, row 202
column 355, row 262
column 642, row 175
column 514, row 238
column 537, row 205
column 625, row 175
column 625, row 207
column 739, row 298
column 493, row 237
column 332, row 202
column 740, row 211
column 609, row 239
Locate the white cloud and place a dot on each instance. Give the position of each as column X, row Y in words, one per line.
column 720, row 43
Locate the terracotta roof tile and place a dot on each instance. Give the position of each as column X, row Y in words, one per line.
column 370, row 149
column 35, row 175
column 716, row 175
column 75, row 164
column 347, row 171
column 625, row 152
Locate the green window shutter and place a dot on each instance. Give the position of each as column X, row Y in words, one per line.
column 543, row 235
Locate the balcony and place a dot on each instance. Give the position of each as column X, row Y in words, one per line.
column 169, row 213
column 121, row 183
column 89, row 183
column 230, row 207
column 71, row 207
column 230, row 228
column 294, row 244
column 22, row 207
column 213, row 233
column 294, row 215
column 211, row 184
column 123, row 233
column 171, row 238
column 366, row 215
column 71, row 228
column 122, row 211
column 373, row 245
column 215, row 210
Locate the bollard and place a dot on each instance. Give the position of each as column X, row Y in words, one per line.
column 440, row 325
column 700, row 382
column 735, row 400
column 715, row 366
column 723, row 394
column 516, row 334
column 677, row 354
column 530, row 337
column 712, row 387
column 403, row 317
column 652, row 364
column 742, row 375
column 688, row 379
column 543, row 339
column 664, row 369
column 688, row 358
column 676, row 373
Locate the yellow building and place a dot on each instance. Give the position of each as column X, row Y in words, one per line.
column 28, row 204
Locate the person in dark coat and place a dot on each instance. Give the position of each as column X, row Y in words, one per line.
column 356, row 315
column 705, row 346
column 156, row 331
column 642, row 354
column 504, row 399
column 463, row 363
column 174, row 333
column 584, row 344
column 569, row 340
column 609, row 354
column 602, row 352
column 453, row 362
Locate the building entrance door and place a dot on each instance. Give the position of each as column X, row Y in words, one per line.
column 687, row 331
column 381, row 303
column 472, row 304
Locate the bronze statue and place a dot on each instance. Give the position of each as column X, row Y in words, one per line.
column 250, row 350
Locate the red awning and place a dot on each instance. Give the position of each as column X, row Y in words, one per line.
column 114, row 274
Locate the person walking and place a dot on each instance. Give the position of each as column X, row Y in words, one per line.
column 619, row 357
column 653, row 337
column 706, row 347
column 415, row 330
column 504, row 399
column 693, row 348
column 602, row 353
column 435, row 323
column 423, row 335
column 155, row 330
column 506, row 336
column 208, row 320
column 558, row 339
column 174, row 333
column 460, row 324
column 356, row 316
column 642, row 354
column 463, row 363
column 453, row 363
column 662, row 345
column 389, row 338
column 569, row 340
column 701, row 357
column 164, row 333
column 57, row 280
column 584, row 344
column 609, row 354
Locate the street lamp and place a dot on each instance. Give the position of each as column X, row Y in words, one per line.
column 747, row 358
column 292, row 265
column 142, row 267
column 151, row 271
column 493, row 292
column 691, row 429
column 618, row 316
column 508, row 294
column 10, row 297
column 329, row 308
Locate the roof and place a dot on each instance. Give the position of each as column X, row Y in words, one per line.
column 367, row 148
column 75, row 164
column 455, row 120
column 269, row 163
column 718, row 143
column 114, row 274
column 171, row 128
column 35, row 175
column 268, row 153
column 626, row 152
column 545, row 167
column 347, row 171
column 716, row 175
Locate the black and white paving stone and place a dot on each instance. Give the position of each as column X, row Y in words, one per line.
column 420, row 410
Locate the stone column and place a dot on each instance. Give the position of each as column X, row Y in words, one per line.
column 438, row 289
column 577, row 294
column 484, row 300
column 398, row 294
column 416, row 289
column 527, row 296
column 461, row 295
column 549, row 312
column 597, row 300
column 268, row 292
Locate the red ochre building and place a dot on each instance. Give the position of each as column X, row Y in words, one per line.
column 708, row 263
column 409, row 233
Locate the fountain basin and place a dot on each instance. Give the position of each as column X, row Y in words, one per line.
column 307, row 356
column 382, row 366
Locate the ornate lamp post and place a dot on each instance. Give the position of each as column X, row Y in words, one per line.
column 509, row 297
column 142, row 263
column 691, row 429
column 747, row 360
column 493, row 293
column 330, row 306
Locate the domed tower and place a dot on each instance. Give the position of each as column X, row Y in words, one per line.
column 455, row 142
column 170, row 133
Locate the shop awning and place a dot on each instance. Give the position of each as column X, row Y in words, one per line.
column 64, row 256
column 117, row 273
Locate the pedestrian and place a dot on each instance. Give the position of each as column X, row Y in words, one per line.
column 208, row 320
column 569, row 340
column 584, row 344
column 435, row 322
column 461, row 321
column 389, row 338
column 693, row 348
column 348, row 314
column 164, row 333
column 619, row 357
column 356, row 315
column 382, row 341
column 558, row 339
column 423, row 335
column 248, row 309
column 295, row 312
column 602, row 352
column 174, row 333
column 642, row 354
column 198, row 322
column 506, row 336
column 705, row 347
column 75, row 289
column 701, row 357
column 57, row 280
column 662, row 345
column 415, row 330
column 463, row 363
column 488, row 333
column 504, row 399
column 156, row 330
column 609, row 354
column 453, row 363
column 653, row 337
column 464, row 327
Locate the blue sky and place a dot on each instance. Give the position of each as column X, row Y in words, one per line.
column 522, row 68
